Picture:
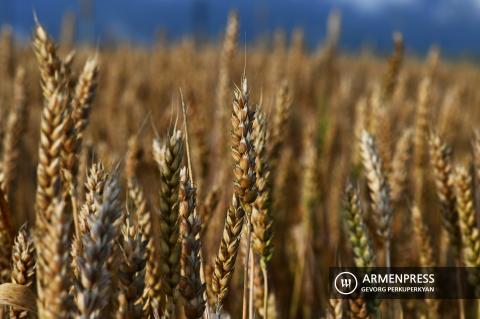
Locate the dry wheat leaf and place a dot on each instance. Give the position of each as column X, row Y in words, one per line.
column 17, row 296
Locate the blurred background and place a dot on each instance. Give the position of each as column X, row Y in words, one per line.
column 452, row 25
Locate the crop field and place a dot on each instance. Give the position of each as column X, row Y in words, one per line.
column 224, row 180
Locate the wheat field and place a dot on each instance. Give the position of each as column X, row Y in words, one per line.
column 223, row 181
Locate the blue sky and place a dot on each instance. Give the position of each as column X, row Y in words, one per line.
column 451, row 24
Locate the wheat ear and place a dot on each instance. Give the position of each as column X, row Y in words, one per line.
column 440, row 159
column 336, row 310
column 207, row 209
column 95, row 184
column 7, row 56
column 52, row 246
column 52, row 72
column 420, row 139
column 191, row 286
column 93, row 288
column 227, row 253
column 132, row 158
column 131, row 271
column 152, row 291
column 468, row 225
column 278, row 129
column 51, row 139
column 169, row 157
column 262, row 221
column 244, row 176
column 242, row 146
column 224, row 79
column 357, row 231
column 399, row 173
column 379, row 191
column 6, row 238
column 16, row 126
column 426, row 256
column 394, row 66
column 77, row 119
column 23, row 265
column 261, row 214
